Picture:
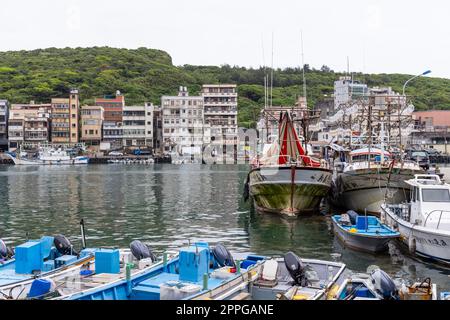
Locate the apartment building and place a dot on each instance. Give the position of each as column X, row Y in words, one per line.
column 346, row 89
column 91, row 122
column 182, row 123
column 19, row 114
column 4, row 109
column 220, row 102
column 157, row 128
column 112, row 124
column 137, row 126
column 60, row 125
column 28, row 125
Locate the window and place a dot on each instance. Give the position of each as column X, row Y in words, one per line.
column 435, row 195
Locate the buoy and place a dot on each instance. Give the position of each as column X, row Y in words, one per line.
column 412, row 244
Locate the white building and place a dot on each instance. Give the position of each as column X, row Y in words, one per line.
column 220, row 102
column 346, row 90
column 3, row 125
column 137, row 126
column 182, row 123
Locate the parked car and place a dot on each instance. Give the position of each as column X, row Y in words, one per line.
column 116, row 153
column 421, row 157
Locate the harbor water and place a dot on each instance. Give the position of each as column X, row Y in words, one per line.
column 168, row 206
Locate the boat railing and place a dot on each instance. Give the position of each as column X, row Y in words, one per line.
column 402, row 210
column 441, row 212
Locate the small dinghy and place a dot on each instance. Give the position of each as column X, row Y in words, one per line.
column 364, row 233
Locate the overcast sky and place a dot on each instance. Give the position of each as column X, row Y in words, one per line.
column 378, row 36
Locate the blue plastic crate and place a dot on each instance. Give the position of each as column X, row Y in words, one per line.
column 194, row 263
column 48, row 265
column 28, row 257
column 64, row 260
column 88, row 252
column 107, row 261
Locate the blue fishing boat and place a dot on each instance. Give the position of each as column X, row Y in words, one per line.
column 365, row 233
column 191, row 272
column 34, row 259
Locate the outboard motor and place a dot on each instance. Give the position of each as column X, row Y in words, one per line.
column 141, row 251
column 384, row 284
column 296, row 269
column 63, row 245
column 222, row 256
column 353, row 216
column 5, row 252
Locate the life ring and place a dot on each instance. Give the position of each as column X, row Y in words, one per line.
column 412, row 244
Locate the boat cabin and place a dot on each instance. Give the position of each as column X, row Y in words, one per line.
column 366, row 154
column 430, row 202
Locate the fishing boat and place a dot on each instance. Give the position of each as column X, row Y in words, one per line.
column 48, row 156
column 285, row 179
column 287, row 278
column 369, row 177
column 106, row 267
column 47, row 256
column 378, row 285
column 191, row 272
column 424, row 222
column 364, row 233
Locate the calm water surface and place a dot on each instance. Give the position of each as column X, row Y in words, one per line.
column 167, row 206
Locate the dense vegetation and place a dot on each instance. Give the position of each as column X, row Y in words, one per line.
column 146, row 74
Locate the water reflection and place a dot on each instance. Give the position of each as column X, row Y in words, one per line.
column 167, row 206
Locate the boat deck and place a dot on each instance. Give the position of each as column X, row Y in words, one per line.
column 372, row 228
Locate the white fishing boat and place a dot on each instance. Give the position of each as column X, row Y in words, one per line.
column 285, row 179
column 49, row 156
column 424, row 222
column 368, row 177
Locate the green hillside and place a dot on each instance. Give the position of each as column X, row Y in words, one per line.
column 146, row 74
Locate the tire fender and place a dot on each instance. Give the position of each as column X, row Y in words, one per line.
column 412, row 244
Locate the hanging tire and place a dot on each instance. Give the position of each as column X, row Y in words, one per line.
column 412, row 244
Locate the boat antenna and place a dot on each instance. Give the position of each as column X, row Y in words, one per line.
column 271, row 77
column 83, row 234
column 303, row 65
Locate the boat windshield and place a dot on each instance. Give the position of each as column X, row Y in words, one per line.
column 435, row 195
column 419, row 154
column 373, row 157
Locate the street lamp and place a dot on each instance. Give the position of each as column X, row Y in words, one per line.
column 419, row 75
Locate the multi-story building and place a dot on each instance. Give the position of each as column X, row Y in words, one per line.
column 112, row 124
column 182, row 123
column 28, row 125
column 137, row 126
column 60, row 125
column 220, row 102
column 346, row 89
column 157, row 128
column 91, row 122
column 4, row 108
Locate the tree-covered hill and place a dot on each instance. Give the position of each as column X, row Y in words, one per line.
column 146, row 74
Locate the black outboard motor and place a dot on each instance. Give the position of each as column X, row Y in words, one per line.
column 141, row 251
column 5, row 251
column 63, row 245
column 296, row 269
column 384, row 284
column 222, row 256
column 353, row 216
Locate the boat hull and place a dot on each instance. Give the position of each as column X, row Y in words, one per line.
column 361, row 242
column 74, row 161
column 424, row 242
column 365, row 189
column 289, row 190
